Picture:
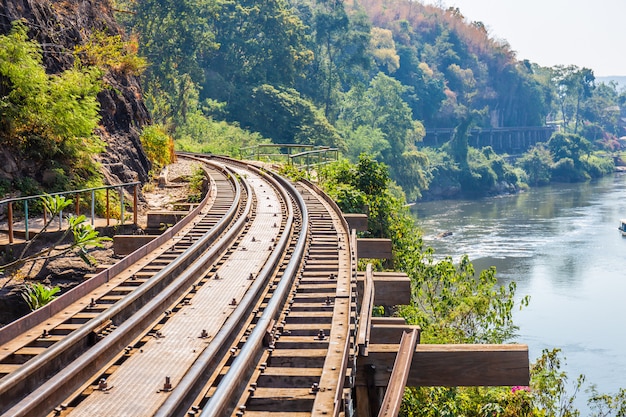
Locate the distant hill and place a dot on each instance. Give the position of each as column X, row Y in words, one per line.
column 619, row 79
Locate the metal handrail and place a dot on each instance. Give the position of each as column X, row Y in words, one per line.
column 26, row 199
column 318, row 150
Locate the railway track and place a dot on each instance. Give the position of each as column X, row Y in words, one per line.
column 247, row 309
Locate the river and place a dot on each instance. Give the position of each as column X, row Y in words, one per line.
column 561, row 245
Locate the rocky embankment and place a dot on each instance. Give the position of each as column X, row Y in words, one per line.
column 60, row 26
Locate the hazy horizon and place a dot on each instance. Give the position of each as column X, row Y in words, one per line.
column 556, row 32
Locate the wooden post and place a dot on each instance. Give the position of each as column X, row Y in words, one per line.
column 10, row 220
column 135, row 205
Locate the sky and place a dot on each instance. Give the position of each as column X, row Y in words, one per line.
column 584, row 33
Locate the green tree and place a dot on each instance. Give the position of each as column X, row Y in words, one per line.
column 158, row 145
column 340, row 44
column 425, row 91
column 286, row 117
column 568, row 145
column 573, row 86
column 258, row 43
column 177, row 37
column 384, row 50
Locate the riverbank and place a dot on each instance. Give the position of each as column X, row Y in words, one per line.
column 560, row 244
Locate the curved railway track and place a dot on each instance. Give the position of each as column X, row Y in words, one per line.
column 245, row 308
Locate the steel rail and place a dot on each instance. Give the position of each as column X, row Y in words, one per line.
column 181, row 398
column 42, row 398
column 25, row 323
column 390, row 406
column 233, row 383
column 349, row 337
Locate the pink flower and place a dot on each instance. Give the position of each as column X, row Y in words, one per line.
column 520, row 388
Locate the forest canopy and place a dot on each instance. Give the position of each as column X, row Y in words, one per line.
column 365, row 77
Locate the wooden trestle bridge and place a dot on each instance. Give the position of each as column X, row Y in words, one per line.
column 250, row 305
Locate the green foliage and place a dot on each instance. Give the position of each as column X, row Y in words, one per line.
column 205, row 135
column 291, row 172
column 549, row 385
column 485, row 173
column 286, row 117
column 537, row 163
column 604, row 405
column 364, row 187
column 158, row 145
column 597, row 166
column 384, row 50
column 47, row 119
column 388, row 135
column 573, row 160
column 111, row 52
column 38, row 295
column 197, row 185
column 452, row 306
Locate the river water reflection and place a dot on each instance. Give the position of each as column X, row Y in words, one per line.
column 562, row 247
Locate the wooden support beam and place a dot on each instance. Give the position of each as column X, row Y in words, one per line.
column 390, row 333
column 356, row 221
column 164, row 219
column 374, row 248
column 451, row 365
column 125, row 244
column 392, row 288
column 388, row 320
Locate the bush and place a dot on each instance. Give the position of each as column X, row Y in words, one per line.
column 564, row 170
column 197, row 185
column 598, row 167
column 111, row 52
column 159, row 147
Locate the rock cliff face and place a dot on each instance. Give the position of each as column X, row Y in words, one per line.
column 60, row 26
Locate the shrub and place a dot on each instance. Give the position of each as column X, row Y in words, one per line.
column 197, row 185
column 159, row 147
column 111, row 52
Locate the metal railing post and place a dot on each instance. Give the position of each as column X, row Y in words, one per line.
column 26, row 219
column 93, row 207
column 77, row 205
column 60, row 219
